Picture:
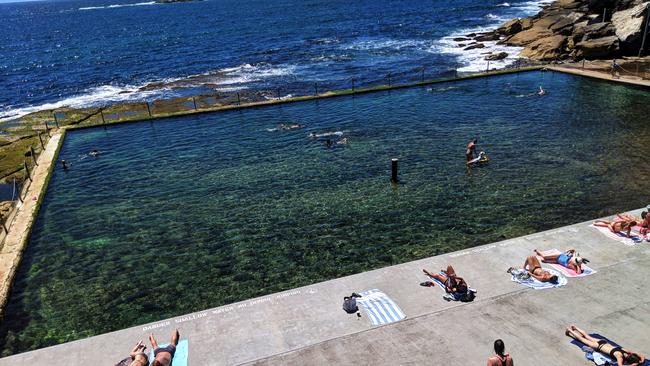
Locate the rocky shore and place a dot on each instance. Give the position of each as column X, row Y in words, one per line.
column 571, row 30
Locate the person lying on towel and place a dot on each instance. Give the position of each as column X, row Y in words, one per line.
column 624, row 227
column 454, row 285
column 534, row 268
column 622, row 356
column 569, row 259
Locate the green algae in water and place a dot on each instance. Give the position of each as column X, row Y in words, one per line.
column 191, row 213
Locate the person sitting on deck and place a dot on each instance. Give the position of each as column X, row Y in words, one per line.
column 501, row 358
column 454, row 285
column 622, row 356
column 534, row 269
column 137, row 357
column 569, row 259
column 164, row 355
column 617, row 226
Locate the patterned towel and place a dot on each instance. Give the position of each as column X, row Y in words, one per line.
column 538, row 285
column 379, row 307
column 586, row 270
column 634, row 240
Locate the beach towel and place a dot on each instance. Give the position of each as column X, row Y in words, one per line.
column 180, row 356
column 379, row 308
column 597, row 357
column 447, row 296
column 634, row 240
column 586, row 270
column 534, row 283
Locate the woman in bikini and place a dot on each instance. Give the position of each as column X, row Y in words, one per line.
column 453, row 283
column 569, row 259
column 534, row 268
column 617, row 226
column 622, row 356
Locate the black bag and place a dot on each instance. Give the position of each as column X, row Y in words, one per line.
column 467, row 296
column 350, row 305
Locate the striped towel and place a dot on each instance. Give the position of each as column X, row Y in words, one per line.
column 447, row 296
column 380, row 308
column 586, row 270
column 538, row 285
column 634, row 240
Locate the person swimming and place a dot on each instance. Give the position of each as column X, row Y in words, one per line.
column 541, row 91
column 94, row 153
column 343, row 141
column 326, row 134
column 479, row 159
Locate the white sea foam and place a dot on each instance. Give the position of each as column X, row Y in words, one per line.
column 369, row 44
column 226, row 80
column 113, row 6
column 504, row 5
column 474, row 60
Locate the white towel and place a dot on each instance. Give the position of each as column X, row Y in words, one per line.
column 534, row 283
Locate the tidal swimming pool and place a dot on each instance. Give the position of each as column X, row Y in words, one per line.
column 190, row 213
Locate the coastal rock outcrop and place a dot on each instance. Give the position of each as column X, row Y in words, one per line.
column 574, row 28
column 496, row 56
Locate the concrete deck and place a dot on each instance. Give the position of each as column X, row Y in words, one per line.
column 307, row 326
column 576, row 69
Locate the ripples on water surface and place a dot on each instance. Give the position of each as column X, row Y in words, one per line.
column 190, row 213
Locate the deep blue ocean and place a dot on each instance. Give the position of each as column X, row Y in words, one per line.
column 81, row 53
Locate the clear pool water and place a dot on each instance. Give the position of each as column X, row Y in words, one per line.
column 190, row 213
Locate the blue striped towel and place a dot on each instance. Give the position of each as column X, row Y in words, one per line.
column 180, row 356
column 380, row 308
column 534, row 283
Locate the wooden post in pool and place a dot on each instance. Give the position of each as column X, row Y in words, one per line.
column 393, row 170
column 31, row 151
column 41, row 140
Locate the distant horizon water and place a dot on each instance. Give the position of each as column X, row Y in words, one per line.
column 81, row 53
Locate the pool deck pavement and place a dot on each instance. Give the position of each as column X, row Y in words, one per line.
column 307, row 326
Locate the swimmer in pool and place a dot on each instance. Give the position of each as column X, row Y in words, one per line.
column 541, row 91
column 326, row 134
column 478, row 159
column 94, row 153
column 343, row 141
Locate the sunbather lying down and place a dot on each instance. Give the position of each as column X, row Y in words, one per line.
column 617, row 226
column 569, row 259
column 534, row 268
column 622, row 356
column 454, row 285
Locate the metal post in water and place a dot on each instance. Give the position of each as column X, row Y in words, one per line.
column 238, row 99
column 31, row 151
column 422, row 75
column 393, row 170
column 194, row 101
column 148, row 108
column 352, row 85
column 102, row 113
column 315, row 88
column 41, row 140
column 278, row 91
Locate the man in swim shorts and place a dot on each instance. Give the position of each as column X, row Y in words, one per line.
column 471, row 149
column 163, row 355
column 137, row 357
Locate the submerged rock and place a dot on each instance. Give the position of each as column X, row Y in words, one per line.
column 474, row 46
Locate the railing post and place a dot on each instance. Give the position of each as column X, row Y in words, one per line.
column 47, row 128
column 15, row 190
column 41, row 140
column 148, row 108
column 31, row 151
column 194, row 101
column 27, row 171
column 315, row 88
column 352, row 85
column 56, row 120
column 389, row 77
column 422, row 75
column 488, row 66
column 583, row 63
column 101, row 111
column 238, row 99
column 393, row 168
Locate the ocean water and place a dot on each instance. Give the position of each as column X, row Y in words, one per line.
column 94, row 52
column 190, row 213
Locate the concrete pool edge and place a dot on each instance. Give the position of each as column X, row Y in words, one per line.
column 20, row 229
column 306, row 325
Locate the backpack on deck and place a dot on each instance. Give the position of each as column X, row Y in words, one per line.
column 350, row 305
